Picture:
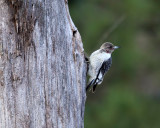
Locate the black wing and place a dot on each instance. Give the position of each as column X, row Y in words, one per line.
column 104, row 68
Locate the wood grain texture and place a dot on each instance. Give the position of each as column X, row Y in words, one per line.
column 42, row 66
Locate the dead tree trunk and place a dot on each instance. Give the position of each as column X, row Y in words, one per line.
column 42, row 67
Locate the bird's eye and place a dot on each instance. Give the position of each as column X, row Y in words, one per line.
column 110, row 47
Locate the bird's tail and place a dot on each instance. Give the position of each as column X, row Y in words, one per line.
column 93, row 83
column 90, row 84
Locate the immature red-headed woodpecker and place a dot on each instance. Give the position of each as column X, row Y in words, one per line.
column 99, row 63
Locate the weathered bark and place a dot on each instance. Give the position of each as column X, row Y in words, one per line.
column 42, row 67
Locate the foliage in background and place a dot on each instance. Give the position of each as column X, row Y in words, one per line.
column 130, row 94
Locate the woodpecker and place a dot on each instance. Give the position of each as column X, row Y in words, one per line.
column 99, row 63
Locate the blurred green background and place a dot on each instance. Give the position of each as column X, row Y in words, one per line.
column 130, row 94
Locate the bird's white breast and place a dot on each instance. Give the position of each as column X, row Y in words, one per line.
column 99, row 57
column 96, row 60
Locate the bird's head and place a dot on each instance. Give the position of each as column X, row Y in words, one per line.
column 108, row 47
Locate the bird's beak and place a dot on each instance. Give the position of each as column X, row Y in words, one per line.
column 115, row 47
